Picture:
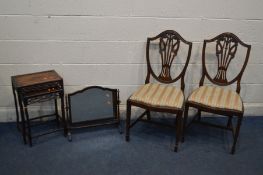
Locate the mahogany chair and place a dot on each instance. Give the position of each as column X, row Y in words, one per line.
column 217, row 99
column 162, row 96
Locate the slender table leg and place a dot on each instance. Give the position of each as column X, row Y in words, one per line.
column 17, row 114
column 22, row 119
column 28, row 126
column 128, row 119
column 68, row 120
column 56, row 111
column 63, row 113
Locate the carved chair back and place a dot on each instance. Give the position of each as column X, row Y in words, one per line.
column 226, row 45
column 169, row 43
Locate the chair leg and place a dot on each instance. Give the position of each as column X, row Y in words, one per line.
column 236, row 134
column 185, row 120
column 229, row 122
column 69, row 135
column 178, row 130
column 199, row 115
column 128, row 119
column 148, row 113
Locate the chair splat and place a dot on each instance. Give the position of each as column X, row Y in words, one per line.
column 226, row 48
column 168, row 48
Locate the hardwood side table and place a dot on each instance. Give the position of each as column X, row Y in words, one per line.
column 34, row 88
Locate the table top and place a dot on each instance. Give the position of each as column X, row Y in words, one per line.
column 35, row 78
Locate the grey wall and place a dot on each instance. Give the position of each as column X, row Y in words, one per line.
column 102, row 42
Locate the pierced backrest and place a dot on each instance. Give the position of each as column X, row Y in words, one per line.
column 168, row 45
column 226, row 46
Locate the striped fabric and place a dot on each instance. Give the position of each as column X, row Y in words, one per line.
column 217, row 97
column 158, row 95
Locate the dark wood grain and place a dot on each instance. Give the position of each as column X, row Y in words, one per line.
column 169, row 45
column 225, row 51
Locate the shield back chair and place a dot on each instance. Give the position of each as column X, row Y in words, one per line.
column 218, row 99
column 161, row 96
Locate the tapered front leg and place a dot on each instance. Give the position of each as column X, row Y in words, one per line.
column 178, row 130
column 229, row 122
column 148, row 113
column 185, row 121
column 239, row 121
column 199, row 115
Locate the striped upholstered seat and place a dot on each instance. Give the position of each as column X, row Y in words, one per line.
column 157, row 95
column 217, row 97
